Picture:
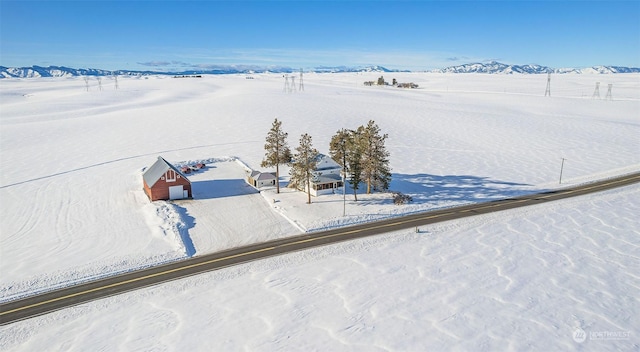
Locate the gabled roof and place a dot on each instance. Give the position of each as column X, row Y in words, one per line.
column 324, row 162
column 157, row 170
column 261, row 176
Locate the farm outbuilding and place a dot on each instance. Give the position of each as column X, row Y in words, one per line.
column 163, row 181
column 261, row 179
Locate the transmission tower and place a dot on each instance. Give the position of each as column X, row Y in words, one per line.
column 548, row 91
column 86, row 82
column 293, row 84
column 116, row 78
column 608, row 96
column 301, row 88
column 596, row 92
column 286, row 83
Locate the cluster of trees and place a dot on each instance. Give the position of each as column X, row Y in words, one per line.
column 363, row 156
column 394, row 82
column 361, row 153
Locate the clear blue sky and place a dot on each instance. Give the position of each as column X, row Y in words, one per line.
column 416, row 35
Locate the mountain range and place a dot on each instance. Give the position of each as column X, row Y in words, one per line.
column 492, row 67
column 500, row 68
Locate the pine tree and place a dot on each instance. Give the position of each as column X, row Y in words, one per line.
column 277, row 150
column 375, row 157
column 344, row 148
column 303, row 164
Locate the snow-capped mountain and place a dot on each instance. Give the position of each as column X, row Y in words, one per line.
column 492, row 67
column 500, row 68
column 61, row 71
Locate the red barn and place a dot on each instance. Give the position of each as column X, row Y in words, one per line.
column 163, row 181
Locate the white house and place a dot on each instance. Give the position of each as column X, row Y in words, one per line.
column 327, row 177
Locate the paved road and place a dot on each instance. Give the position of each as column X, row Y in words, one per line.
column 58, row 299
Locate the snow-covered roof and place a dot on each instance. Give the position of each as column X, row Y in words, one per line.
column 328, row 178
column 261, row 176
column 324, row 162
column 157, row 170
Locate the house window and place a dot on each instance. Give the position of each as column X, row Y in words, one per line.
column 171, row 176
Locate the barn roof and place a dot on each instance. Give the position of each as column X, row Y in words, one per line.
column 157, row 170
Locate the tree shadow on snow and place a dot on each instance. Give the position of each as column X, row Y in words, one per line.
column 425, row 188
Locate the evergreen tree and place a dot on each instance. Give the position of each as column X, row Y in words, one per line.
column 375, row 157
column 346, row 150
column 354, row 162
column 303, row 164
column 277, row 150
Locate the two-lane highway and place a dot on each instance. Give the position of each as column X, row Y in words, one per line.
column 69, row 296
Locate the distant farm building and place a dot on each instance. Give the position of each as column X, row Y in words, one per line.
column 163, row 181
column 259, row 179
column 327, row 177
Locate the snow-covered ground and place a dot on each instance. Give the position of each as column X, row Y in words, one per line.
column 73, row 209
column 528, row 279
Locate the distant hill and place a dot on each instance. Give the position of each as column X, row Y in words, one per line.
column 492, row 67
column 62, row 71
column 495, row 67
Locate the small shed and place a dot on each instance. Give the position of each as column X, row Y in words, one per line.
column 163, row 181
column 259, row 179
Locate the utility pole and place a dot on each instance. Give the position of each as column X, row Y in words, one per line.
column 561, row 168
column 344, row 194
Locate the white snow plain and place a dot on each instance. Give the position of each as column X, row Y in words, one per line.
column 73, row 210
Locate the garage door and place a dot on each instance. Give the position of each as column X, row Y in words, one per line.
column 176, row 192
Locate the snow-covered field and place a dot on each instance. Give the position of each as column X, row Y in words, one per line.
column 73, row 209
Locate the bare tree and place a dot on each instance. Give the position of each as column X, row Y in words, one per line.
column 277, row 150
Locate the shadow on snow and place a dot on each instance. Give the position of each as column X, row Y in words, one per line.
column 187, row 223
column 425, row 188
column 210, row 189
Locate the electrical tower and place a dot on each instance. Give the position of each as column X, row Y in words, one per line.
column 608, row 96
column 548, row 91
column 286, row 83
column 293, row 84
column 596, row 92
column 301, row 88
column 116, row 78
column 99, row 82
